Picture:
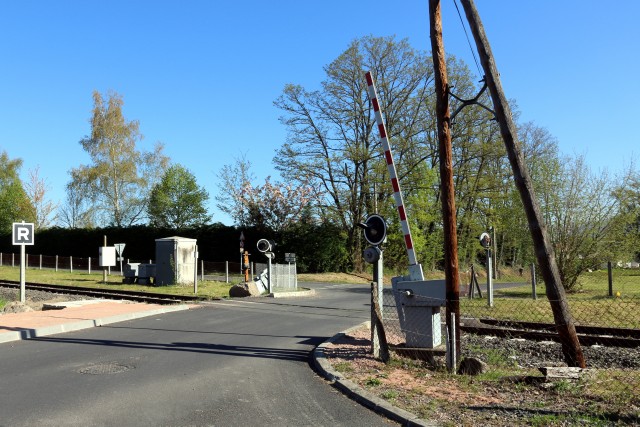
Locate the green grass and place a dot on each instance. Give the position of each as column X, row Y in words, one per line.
column 592, row 285
column 590, row 306
column 206, row 289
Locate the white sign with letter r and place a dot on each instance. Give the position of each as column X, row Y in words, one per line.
column 23, row 233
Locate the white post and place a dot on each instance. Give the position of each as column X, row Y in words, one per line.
column 71, row 263
column 89, row 265
column 56, row 262
column 378, row 274
column 269, row 271
column 13, row 259
column 489, row 279
column 226, row 271
column 22, row 273
column 452, row 359
column 195, row 271
column 533, row 281
column 201, row 270
column 40, row 261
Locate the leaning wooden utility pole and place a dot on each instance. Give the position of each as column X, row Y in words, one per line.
column 543, row 248
column 446, row 175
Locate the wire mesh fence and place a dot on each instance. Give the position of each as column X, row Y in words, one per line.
column 283, row 276
column 224, row 271
column 516, row 339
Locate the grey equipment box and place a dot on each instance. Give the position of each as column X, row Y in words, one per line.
column 418, row 304
column 175, row 260
column 130, row 272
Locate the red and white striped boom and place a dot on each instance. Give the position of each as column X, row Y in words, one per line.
column 397, row 194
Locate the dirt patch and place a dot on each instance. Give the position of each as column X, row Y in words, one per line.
column 34, row 300
column 509, row 394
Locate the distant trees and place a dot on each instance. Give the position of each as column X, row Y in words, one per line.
column 120, row 177
column 14, row 202
column 333, row 144
column 44, row 209
column 585, row 219
column 76, row 211
column 233, row 179
column 177, row 202
column 275, row 206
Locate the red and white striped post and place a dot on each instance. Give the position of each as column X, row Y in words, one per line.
column 415, row 269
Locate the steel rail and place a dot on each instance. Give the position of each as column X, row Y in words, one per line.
column 588, row 335
column 151, row 297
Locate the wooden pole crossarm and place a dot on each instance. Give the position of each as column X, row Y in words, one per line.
column 472, row 101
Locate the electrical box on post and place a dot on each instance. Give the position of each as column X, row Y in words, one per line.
column 107, row 256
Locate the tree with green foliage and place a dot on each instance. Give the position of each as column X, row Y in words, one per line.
column 177, row 202
column 585, row 219
column 15, row 205
column 119, row 179
column 333, row 143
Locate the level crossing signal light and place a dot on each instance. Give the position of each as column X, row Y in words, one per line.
column 375, row 229
column 265, row 245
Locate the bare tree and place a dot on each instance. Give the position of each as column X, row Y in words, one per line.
column 232, row 182
column 77, row 210
column 36, row 188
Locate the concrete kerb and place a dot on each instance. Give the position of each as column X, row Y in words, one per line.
column 302, row 293
column 25, row 334
column 355, row 392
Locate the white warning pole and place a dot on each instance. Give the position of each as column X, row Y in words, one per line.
column 395, row 184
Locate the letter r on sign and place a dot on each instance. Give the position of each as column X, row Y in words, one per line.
column 23, row 234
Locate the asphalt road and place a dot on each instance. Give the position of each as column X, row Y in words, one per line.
column 228, row 363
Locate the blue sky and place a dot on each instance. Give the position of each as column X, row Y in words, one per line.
column 201, row 76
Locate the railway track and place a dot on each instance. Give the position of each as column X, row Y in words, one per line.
column 148, row 297
column 587, row 335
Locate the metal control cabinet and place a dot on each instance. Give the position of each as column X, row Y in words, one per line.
column 175, row 260
column 418, row 304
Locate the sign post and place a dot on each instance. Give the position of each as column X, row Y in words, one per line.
column 485, row 241
column 241, row 249
column 291, row 258
column 22, row 234
column 119, row 249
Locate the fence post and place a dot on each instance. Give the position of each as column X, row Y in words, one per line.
column 56, row 262
column 71, row 264
column 533, row 281
column 226, row 271
column 489, row 279
column 89, row 265
column 609, row 269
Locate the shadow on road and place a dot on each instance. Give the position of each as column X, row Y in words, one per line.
column 204, row 348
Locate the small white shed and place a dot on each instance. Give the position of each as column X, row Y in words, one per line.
column 175, row 260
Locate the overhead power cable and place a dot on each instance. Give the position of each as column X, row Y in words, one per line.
column 473, row 52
